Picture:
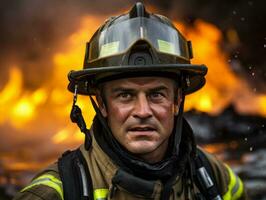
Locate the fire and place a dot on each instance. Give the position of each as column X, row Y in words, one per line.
column 262, row 104
column 205, row 103
column 23, row 109
column 19, row 106
column 221, row 82
column 68, row 134
column 217, row 148
column 13, row 86
column 60, row 136
column 223, row 86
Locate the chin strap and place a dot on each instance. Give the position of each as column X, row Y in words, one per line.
column 76, row 117
column 178, row 126
column 100, row 116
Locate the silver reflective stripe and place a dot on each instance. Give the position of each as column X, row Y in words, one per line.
column 84, row 180
column 236, row 186
column 43, row 179
column 205, row 177
column 141, row 32
column 217, row 198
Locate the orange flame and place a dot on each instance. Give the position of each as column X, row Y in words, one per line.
column 19, row 106
column 223, row 86
column 221, row 82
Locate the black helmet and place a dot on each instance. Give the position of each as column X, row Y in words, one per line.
column 137, row 44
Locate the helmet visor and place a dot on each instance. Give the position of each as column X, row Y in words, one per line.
column 120, row 37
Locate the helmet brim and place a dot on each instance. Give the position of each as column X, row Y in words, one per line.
column 85, row 79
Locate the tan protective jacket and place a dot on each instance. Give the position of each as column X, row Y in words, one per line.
column 48, row 186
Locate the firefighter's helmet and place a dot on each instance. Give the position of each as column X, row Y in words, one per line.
column 137, row 44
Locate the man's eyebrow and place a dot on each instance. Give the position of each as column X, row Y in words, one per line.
column 122, row 89
column 159, row 88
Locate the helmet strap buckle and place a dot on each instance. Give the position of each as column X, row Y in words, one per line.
column 77, row 117
column 187, row 81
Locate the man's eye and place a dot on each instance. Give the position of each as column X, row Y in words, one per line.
column 124, row 95
column 156, row 95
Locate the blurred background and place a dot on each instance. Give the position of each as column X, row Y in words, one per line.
column 42, row 40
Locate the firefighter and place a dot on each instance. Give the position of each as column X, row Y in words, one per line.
column 139, row 146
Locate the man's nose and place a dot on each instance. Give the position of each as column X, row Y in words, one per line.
column 142, row 107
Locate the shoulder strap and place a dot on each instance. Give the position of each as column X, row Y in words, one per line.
column 205, row 179
column 75, row 176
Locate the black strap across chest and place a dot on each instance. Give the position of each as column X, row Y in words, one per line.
column 204, row 177
column 75, row 176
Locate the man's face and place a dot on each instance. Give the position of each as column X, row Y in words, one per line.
column 140, row 113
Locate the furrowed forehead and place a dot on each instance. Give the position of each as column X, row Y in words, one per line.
column 140, row 83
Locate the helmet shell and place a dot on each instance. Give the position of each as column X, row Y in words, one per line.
column 137, row 44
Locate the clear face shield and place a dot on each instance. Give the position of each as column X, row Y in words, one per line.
column 119, row 38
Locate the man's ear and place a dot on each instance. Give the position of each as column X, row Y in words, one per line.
column 101, row 104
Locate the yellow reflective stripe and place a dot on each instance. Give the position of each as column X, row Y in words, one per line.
column 235, row 187
column 48, row 180
column 228, row 194
column 100, row 194
column 109, row 49
column 166, row 47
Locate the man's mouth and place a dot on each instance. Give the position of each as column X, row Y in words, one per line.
column 142, row 129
